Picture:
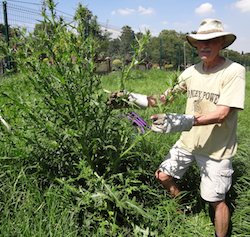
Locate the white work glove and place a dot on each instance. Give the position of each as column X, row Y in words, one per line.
column 170, row 123
column 138, row 99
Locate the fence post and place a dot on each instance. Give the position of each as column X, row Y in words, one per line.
column 5, row 14
column 7, row 37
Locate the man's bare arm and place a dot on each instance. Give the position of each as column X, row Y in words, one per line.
column 218, row 116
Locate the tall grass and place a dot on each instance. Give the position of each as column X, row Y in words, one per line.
column 105, row 207
column 73, row 166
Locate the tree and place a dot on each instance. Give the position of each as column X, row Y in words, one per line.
column 13, row 32
column 104, row 42
column 127, row 40
column 114, row 47
column 88, row 22
column 153, row 51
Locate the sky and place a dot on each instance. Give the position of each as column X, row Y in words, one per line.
column 156, row 15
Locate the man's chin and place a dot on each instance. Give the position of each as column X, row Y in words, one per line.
column 203, row 58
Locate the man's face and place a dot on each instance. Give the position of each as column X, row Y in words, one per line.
column 208, row 50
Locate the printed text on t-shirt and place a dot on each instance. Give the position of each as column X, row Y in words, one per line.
column 203, row 95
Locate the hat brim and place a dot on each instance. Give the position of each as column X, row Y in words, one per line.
column 229, row 38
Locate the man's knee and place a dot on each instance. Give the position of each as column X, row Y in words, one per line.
column 218, row 204
column 162, row 177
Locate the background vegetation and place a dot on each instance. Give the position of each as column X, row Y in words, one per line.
column 168, row 50
column 73, row 166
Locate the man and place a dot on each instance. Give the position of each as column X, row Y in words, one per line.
column 215, row 90
column 215, row 93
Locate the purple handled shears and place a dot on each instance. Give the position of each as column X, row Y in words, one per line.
column 137, row 121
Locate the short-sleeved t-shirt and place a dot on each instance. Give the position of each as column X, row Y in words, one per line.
column 225, row 86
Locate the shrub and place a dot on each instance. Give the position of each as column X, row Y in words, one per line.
column 116, row 64
column 168, row 66
column 72, row 137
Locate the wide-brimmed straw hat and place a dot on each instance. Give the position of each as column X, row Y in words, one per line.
column 210, row 29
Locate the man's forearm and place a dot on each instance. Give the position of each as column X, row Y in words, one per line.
column 218, row 116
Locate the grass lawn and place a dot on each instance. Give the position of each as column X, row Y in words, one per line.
column 30, row 208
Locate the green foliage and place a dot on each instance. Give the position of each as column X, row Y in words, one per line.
column 3, row 49
column 124, row 203
column 168, row 66
column 25, row 212
column 72, row 166
column 127, row 40
column 67, row 133
column 88, row 25
column 136, row 59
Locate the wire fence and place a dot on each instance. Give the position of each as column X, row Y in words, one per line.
column 27, row 15
column 24, row 14
column 17, row 14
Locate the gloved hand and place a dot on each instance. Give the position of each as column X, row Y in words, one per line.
column 138, row 99
column 170, row 123
column 122, row 99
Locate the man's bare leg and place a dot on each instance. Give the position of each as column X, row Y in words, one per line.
column 168, row 183
column 221, row 218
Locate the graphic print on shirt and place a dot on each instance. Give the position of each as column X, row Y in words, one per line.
column 203, row 101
